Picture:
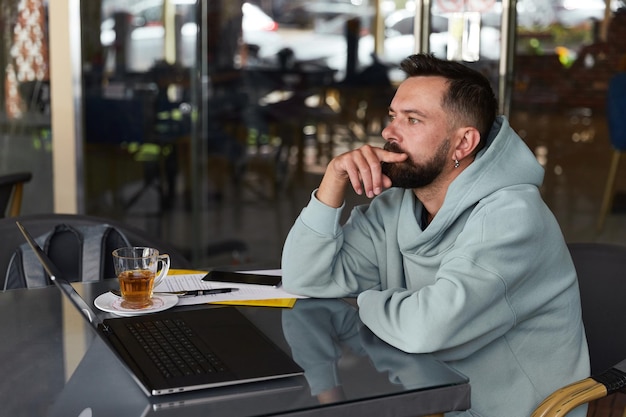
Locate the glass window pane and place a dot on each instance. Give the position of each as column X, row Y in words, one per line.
column 25, row 134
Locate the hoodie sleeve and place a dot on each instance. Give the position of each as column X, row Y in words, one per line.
column 322, row 259
column 448, row 315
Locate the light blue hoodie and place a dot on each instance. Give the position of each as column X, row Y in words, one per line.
column 491, row 275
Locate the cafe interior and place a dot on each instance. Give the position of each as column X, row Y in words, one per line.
column 208, row 123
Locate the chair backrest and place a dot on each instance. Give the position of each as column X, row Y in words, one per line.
column 11, row 188
column 616, row 110
column 68, row 248
column 601, row 269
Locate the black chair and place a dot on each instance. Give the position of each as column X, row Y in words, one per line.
column 39, row 224
column 601, row 269
column 11, row 190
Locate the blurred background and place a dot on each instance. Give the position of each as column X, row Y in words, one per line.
column 209, row 122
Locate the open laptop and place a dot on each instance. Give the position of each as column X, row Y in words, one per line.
column 228, row 349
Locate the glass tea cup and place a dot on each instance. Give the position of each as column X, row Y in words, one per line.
column 137, row 270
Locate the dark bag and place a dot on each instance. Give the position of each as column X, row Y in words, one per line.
column 81, row 253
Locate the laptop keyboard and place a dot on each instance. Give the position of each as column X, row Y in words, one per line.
column 170, row 345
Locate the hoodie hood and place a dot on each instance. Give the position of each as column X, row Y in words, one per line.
column 504, row 162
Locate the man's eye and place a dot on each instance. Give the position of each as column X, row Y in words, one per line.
column 413, row 121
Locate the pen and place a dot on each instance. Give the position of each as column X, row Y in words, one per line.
column 195, row 293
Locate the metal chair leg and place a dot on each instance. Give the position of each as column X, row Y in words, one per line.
column 607, row 200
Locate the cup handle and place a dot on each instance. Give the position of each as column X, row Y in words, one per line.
column 164, row 259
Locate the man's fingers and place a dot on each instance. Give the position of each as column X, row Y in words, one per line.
column 391, row 157
column 369, row 161
column 363, row 168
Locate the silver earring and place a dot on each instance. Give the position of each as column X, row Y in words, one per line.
column 456, row 163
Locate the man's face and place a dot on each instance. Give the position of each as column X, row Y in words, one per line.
column 418, row 127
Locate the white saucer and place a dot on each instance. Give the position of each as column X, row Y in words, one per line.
column 113, row 304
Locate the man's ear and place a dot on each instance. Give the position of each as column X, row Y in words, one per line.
column 469, row 138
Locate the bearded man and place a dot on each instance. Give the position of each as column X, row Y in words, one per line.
column 456, row 254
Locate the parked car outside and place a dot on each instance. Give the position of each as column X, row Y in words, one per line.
column 146, row 45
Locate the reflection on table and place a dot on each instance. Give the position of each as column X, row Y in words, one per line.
column 48, row 342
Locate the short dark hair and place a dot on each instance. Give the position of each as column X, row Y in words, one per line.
column 469, row 98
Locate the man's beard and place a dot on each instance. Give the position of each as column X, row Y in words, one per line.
column 408, row 174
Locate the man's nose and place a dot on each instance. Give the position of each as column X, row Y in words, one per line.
column 388, row 132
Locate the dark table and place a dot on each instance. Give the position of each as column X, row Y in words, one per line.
column 54, row 365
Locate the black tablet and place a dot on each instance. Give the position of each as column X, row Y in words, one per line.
column 242, row 278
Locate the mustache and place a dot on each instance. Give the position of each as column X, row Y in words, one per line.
column 393, row 147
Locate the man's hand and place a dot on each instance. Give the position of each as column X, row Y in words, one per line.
column 361, row 168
